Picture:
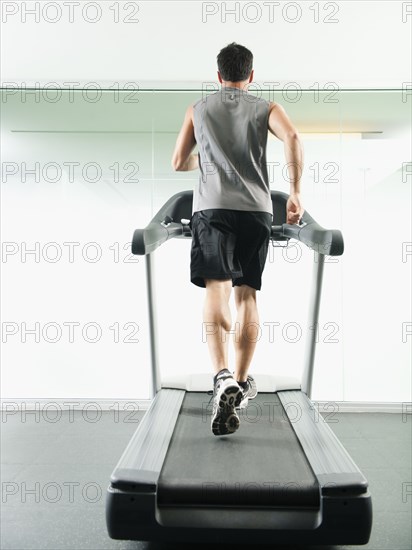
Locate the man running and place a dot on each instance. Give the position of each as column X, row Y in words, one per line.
column 232, row 216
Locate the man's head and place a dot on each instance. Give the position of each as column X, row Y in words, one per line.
column 235, row 64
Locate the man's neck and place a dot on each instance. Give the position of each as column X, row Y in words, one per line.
column 239, row 85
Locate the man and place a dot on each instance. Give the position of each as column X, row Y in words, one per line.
column 232, row 216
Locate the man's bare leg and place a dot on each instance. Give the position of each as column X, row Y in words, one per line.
column 216, row 313
column 247, row 323
column 227, row 393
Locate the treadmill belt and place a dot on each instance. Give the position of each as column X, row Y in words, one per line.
column 262, row 464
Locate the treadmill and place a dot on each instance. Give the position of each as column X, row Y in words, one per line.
column 282, row 478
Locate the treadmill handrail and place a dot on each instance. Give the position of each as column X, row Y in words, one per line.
column 167, row 224
column 173, row 220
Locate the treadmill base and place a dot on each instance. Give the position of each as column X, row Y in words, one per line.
column 344, row 521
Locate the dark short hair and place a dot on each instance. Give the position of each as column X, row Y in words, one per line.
column 235, row 62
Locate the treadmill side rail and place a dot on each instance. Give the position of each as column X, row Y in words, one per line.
column 141, row 463
column 335, row 470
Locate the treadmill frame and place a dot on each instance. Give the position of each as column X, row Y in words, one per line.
column 344, row 516
column 345, row 513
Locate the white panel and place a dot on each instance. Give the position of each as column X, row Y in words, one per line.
column 355, row 44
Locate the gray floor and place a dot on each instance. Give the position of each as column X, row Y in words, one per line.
column 54, row 477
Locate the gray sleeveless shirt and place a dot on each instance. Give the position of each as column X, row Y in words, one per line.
column 231, row 130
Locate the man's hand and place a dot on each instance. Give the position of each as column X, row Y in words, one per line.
column 294, row 210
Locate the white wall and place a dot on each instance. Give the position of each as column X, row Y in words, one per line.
column 361, row 354
column 354, row 44
column 366, row 296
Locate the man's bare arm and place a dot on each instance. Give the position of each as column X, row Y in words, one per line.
column 182, row 159
column 281, row 126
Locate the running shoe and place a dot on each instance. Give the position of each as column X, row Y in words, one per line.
column 249, row 392
column 227, row 396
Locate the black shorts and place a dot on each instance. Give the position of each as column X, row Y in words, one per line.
column 229, row 244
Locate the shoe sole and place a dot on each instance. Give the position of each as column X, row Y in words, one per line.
column 225, row 420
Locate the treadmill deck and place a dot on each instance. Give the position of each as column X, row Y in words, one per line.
column 267, row 465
